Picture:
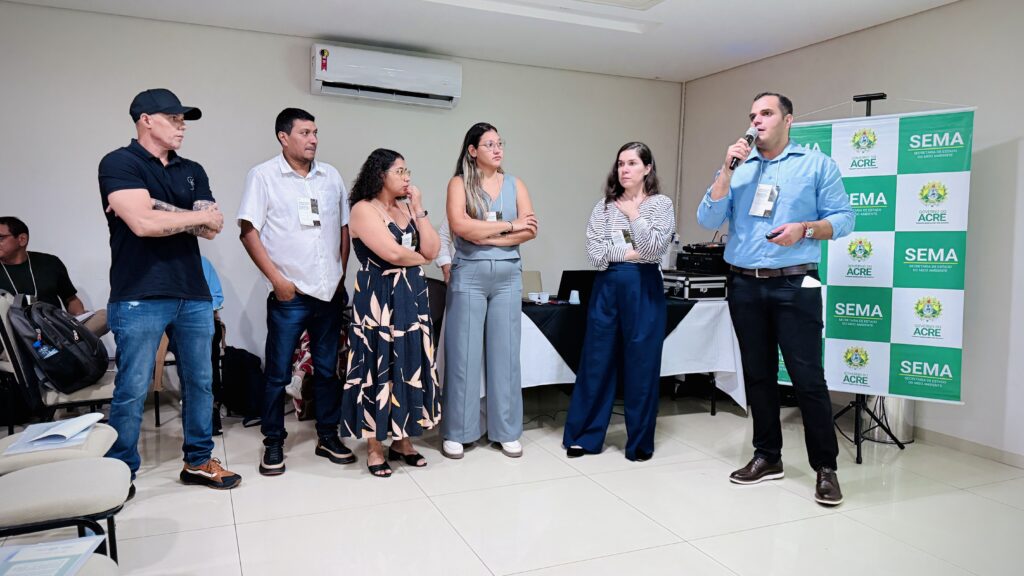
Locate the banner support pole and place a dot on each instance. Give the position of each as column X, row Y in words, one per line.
column 860, row 401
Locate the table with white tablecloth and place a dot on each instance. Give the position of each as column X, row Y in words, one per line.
column 702, row 342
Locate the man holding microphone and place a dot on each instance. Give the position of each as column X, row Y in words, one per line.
column 781, row 200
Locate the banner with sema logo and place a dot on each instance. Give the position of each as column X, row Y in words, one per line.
column 893, row 296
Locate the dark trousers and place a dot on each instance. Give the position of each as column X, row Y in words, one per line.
column 285, row 323
column 772, row 314
column 625, row 332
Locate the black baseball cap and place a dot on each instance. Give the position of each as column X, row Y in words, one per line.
column 160, row 101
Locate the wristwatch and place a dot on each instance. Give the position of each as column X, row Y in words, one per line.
column 808, row 231
column 422, row 214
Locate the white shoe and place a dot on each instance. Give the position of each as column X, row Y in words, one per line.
column 451, row 449
column 294, row 388
column 513, row 449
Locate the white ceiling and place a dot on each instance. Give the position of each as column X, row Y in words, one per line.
column 676, row 40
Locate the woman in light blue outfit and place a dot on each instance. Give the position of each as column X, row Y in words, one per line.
column 490, row 215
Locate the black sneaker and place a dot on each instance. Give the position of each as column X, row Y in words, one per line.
column 757, row 470
column 273, row 459
column 826, row 489
column 332, row 448
column 131, row 492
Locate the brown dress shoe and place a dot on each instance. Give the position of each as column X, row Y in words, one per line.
column 757, row 470
column 826, row 489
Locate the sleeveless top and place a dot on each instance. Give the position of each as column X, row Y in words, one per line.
column 506, row 204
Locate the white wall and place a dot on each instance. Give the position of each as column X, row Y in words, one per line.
column 967, row 53
column 68, row 78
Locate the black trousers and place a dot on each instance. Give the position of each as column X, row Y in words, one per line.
column 772, row 314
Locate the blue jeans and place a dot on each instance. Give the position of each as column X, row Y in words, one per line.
column 285, row 323
column 138, row 327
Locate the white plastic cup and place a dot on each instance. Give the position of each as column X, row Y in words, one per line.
column 534, row 297
column 574, row 297
column 543, row 298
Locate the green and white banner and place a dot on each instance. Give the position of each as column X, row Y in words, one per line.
column 893, row 290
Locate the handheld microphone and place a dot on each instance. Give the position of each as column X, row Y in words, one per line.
column 750, row 136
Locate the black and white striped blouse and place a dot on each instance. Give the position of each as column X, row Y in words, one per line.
column 651, row 232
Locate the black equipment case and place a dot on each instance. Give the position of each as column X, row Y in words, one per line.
column 687, row 286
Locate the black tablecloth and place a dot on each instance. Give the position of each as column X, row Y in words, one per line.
column 564, row 325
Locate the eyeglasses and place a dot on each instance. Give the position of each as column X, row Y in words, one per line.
column 402, row 172
column 491, row 145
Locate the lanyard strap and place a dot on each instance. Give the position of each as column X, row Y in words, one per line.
column 35, row 290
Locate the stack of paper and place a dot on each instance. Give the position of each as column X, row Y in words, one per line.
column 53, row 435
column 60, row 558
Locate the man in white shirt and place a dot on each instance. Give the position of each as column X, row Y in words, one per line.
column 294, row 221
column 444, row 256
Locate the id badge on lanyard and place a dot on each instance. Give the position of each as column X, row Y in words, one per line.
column 309, row 212
column 493, row 216
column 410, row 240
column 622, row 237
column 764, row 200
column 766, row 194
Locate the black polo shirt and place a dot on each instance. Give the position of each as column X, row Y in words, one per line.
column 159, row 267
column 42, row 275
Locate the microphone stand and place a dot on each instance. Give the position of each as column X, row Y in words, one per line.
column 860, row 401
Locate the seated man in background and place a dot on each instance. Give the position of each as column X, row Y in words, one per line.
column 39, row 274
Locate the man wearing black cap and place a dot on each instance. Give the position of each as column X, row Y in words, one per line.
column 156, row 204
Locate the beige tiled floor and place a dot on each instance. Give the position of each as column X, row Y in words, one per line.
column 925, row 510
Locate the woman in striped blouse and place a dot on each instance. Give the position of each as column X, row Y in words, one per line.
column 629, row 231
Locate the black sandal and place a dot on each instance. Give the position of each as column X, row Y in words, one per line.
column 415, row 459
column 375, row 468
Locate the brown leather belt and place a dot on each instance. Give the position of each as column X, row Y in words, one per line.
column 797, row 270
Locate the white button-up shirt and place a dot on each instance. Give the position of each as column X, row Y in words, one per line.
column 308, row 256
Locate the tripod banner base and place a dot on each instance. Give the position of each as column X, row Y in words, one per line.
column 898, row 413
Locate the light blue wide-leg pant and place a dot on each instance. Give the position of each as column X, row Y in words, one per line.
column 482, row 329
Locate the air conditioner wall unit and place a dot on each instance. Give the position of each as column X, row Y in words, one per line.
column 358, row 73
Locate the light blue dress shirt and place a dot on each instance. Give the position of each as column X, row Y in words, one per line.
column 810, row 188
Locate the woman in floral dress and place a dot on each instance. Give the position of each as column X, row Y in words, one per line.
column 391, row 383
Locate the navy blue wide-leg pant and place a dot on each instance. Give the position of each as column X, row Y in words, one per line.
column 625, row 332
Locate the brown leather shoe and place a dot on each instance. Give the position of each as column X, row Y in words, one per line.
column 826, row 489
column 757, row 470
column 210, row 473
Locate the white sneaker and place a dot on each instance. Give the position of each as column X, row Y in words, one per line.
column 513, row 449
column 294, row 388
column 451, row 449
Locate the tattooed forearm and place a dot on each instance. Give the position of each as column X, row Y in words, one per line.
column 166, row 207
column 198, row 205
column 172, row 230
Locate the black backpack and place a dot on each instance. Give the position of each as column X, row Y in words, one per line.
column 243, row 384
column 66, row 355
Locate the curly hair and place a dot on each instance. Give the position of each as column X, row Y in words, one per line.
column 613, row 188
column 370, row 180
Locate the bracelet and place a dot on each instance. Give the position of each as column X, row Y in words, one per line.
column 511, row 227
